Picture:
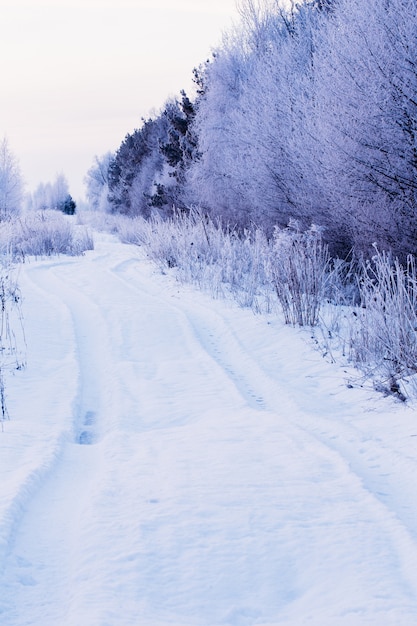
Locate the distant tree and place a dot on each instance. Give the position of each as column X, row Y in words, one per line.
column 59, row 192
column 180, row 150
column 124, row 170
column 137, row 168
column 181, row 147
column 11, row 182
column 97, row 182
column 147, row 174
column 53, row 196
column 40, row 198
column 68, row 205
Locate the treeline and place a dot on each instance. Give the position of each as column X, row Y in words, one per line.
column 307, row 114
column 54, row 196
column 46, row 196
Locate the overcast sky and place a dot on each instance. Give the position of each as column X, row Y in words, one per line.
column 77, row 75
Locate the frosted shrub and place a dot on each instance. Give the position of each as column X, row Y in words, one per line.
column 298, row 266
column 12, row 341
column 127, row 229
column 216, row 258
column 82, row 241
column 202, row 252
column 6, row 236
column 45, row 233
column 190, row 243
column 245, row 270
column 384, row 335
column 130, row 230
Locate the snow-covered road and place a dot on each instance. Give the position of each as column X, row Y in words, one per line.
column 173, row 460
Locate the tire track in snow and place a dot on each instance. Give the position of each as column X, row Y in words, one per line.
column 47, row 545
column 233, row 508
column 39, row 570
column 358, row 452
column 211, row 341
column 41, row 443
column 393, row 491
column 91, row 340
column 37, row 587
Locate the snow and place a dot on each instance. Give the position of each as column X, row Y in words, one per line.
column 173, row 460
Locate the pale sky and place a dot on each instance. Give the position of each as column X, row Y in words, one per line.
column 78, row 75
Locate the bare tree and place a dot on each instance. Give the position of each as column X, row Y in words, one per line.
column 11, row 182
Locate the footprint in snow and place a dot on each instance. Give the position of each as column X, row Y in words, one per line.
column 86, row 435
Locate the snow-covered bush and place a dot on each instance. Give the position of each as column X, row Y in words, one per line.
column 384, row 332
column 294, row 265
column 202, row 252
column 299, row 269
column 44, row 233
column 216, row 258
column 12, row 342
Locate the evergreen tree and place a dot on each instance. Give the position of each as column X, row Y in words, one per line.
column 68, row 205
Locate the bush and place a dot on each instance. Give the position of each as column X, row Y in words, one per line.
column 200, row 251
column 12, row 342
column 384, row 335
column 44, row 233
column 299, row 269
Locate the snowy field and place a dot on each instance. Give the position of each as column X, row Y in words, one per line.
column 175, row 461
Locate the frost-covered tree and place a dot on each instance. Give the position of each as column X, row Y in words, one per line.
column 53, row 196
column 135, row 168
column 147, row 172
column 366, row 76
column 252, row 117
column 306, row 112
column 180, row 149
column 59, row 192
column 310, row 113
column 11, row 182
column 213, row 179
column 97, row 182
column 39, row 199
